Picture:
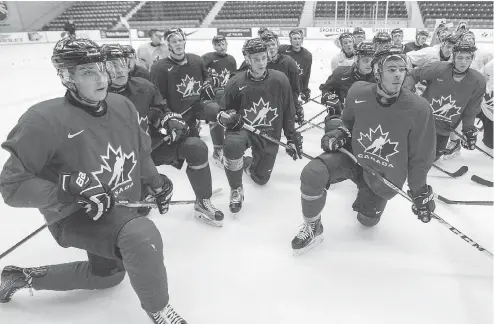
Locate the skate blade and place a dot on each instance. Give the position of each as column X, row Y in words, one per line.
column 201, row 217
column 451, row 156
column 316, row 241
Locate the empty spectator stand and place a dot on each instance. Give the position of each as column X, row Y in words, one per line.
column 361, row 9
column 259, row 14
column 477, row 14
column 88, row 15
column 162, row 14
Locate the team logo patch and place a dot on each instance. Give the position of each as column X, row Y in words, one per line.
column 377, row 145
column 189, row 87
column 300, row 70
column 223, row 76
column 260, row 114
column 444, row 108
column 143, row 122
column 116, row 169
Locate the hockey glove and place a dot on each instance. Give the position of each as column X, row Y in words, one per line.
column 294, row 144
column 334, row 140
column 207, row 91
column 423, row 204
column 299, row 113
column 470, row 138
column 332, row 103
column 80, row 187
column 305, row 95
column 230, row 120
column 175, row 126
column 162, row 196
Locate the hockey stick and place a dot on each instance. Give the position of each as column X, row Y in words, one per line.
column 465, row 202
column 481, row 181
column 119, row 203
column 458, row 173
column 478, row 148
column 404, row 195
column 308, row 121
column 162, row 131
column 313, row 126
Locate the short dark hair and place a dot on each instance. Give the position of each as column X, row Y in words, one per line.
column 152, row 32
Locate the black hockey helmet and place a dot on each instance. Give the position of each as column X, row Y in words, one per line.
column 365, row 49
column 421, row 33
column 381, row 37
column 262, row 30
column 464, row 46
column 173, row 31
column 468, row 36
column 345, row 36
column 383, row 54
column 113, row 51
column 296, row 31
column 254, row 45
column 218, row 39
column 358, row 31
column 269, row 36
column 71, row 52
column 129, row 51
column 396, row 31
column 448, row 37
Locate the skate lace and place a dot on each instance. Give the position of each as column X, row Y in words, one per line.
column 29, row 274
column 306, row 231
column 236, row 195
column 172, row 316
column 208, row 205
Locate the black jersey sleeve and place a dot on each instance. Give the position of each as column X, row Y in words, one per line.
column 473, row 107
column 158, row 101
column 233, row 63
column 207, row 59
column 230, row 99
column 333, row 83
column 293, row 77
column 425, row 72
column 288, row 107
column 306, row 76
column 159, row 78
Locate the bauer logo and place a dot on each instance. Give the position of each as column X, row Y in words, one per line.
column 444, row 108
column 189, row 87
column 261, row 114
column 4, row 11
column 378, row 147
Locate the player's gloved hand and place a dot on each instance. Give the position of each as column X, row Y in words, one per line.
column 230, row 120
column 175, row 126
column 162, row 195
column 155, row 114
column 334, row 140
column 82, row 188
column 470, row 138
column 207, row 91
column 332, row 103
column 423, row 204
column 299, row 113
column 294, row 148
column 305, row 95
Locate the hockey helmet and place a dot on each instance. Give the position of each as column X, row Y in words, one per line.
column 218, row 39
column 71, row 52
column 381, row 37
column 358, row 31
column 173, row 31
column 365, row 49
column 269, row 36
column 129, row 51
column 345, row 36
column 464, row 46
column 385, row 53
column 396, row 31
column 296, row 31
column 253, row 46
column 262, row 30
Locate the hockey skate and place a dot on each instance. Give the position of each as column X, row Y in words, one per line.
column 236, row 199
column 309, row 236
column 452, row 150
column 167, row 316
column 218, row 157
column 206, row 212
column 14, row 278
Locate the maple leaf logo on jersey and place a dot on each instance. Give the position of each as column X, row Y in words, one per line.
column 260, row 114
column 116, row 169
column 189, row 87
column 222, row 77
column 444, row 108
column 143, row 122
column 377, row 143
column 300, row 70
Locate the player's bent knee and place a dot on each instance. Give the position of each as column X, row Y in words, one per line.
column 232, row 147
column 314, row 178
column 195, row 151
column 99, row 282
column 260, row 180
column 139, row 240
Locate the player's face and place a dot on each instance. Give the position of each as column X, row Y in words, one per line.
column 447, row 49
column 358, row 38
column 421, row 40
column 463, row 61
column 296, row 41
column 119, row 71
column 347, row 45
column 221, row 47
column 364, row 65
column 272, row 46
column 393, row 75
column 91, row 81
column 177, row 44
column 397, row 39
column 156, row 38
column 258, row 62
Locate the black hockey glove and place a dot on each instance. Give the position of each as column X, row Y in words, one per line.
column 334, row 140
column 305, row 95
column 175, row 126
column 80, row 187
column 207, row 91
column 423, row 204
column 230, row 120
column 332, row 103
column 162, row 196
column 470, row 137
column 294, row 148
column 299, row 113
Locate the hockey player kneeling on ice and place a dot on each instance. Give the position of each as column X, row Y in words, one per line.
column 173, row 148
column 183, row 82
column 335, row 90
column 71, row 158
column 262, row 98
column 390, row 130
column 455, row 93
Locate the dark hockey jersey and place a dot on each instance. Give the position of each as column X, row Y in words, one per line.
column 143, row 95
column 180, row 85
column 411, row 46
column 266, row 105
column 56, row 136
column 451, row 102
column 140, row 72
column 303, row 59
column 219, row 67
column 340, row 81
column 396, row 141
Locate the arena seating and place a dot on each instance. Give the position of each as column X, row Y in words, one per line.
column 162, row 14
column 259, row 14
column 90, row 15
column 477, row 14
column 361, row 9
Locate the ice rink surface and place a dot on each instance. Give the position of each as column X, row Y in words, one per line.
column 401, row 271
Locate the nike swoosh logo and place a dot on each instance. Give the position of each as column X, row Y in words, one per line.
column 215, row 61
column 288, row 51
column 343, row 79
column 439, row 80
column 170, row 69
column 188, row 34
column 359, row 101
column 240, row 88
column 74, row 135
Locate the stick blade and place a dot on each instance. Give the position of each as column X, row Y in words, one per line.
column 475, row 178
column 461, row 171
